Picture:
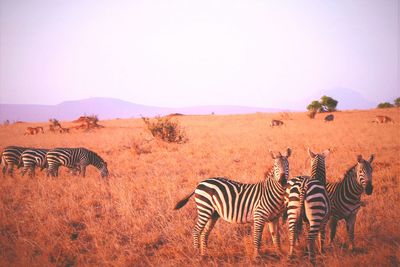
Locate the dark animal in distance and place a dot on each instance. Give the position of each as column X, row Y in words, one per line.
column 329, row 117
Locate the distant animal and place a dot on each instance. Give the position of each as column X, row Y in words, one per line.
column 329, row 117
column 309, row 201
column 33, row 130
column 275, row 123
column 241, row 203
column 11, row 157
column 74, row 158
column 31, row 158
column 382, row 119
column 346, row 194
column 63, row 130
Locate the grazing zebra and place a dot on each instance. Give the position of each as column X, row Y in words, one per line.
column 31, row 158
column 73, row 158
column 276, row 123
column 10, row 157
column 33, row 130
column 309, row 201
column 241, row 203
column 346, row 196
column 329, row 117
column 382, row 119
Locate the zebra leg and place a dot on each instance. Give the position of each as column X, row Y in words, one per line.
column 83, row 170
column 24, row 170
column 322, row 234
column 350, row 224
column 11, row 170
column 259, row 222
column 203, row 216
column 274, row 230
column 312, row 234
column 32, row 171
column 332, row 226
column 4, row 170
column 206, row 232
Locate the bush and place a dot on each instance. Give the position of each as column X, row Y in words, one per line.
column 385, row 105
column 397, row 102
column 166, row 129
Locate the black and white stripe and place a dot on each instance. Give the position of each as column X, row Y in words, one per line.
column 309, row 201
column 74, row 158
column 346, row 196
column 241, row 203
column 31, row 158
column 11, row 156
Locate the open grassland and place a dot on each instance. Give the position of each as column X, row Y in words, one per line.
column 128, row 220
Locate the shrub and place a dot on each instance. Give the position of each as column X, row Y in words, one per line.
column 166, row 129
column 385, row 105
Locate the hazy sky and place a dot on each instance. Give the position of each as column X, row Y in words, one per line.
column 183, row 53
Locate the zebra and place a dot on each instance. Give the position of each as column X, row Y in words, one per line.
column 31, row 158
column 276, row 123
column 346, row 196
column 241, row 203
column 73, row 158
column 10, row 157
column 309, row 201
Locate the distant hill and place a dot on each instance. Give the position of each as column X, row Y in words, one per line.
column 109, row 108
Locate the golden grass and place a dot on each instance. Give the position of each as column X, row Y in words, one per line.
column 129, row 219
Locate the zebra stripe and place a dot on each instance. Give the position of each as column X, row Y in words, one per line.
column 11, row 156
column 241, row 203
column 31, row 158
column 309, row 201
column 345, row 196
column 73, row 158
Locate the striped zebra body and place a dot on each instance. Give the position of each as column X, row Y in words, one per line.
column 345, row 196
column 10, row 157
column 309, row 202
column 241, row 203
column 31, row 158
column 74, row 158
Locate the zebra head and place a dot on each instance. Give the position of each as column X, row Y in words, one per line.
column 364, row 173
column 104, row 170
column 318, row 165
column 281, row 166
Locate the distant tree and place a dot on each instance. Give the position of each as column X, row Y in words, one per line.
column 397, row 102
column 328, row 103
column 315, row 106
column 385, row 105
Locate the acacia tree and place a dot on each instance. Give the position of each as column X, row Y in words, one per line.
column 326, row 104
column 397, row 102
column 385, row 105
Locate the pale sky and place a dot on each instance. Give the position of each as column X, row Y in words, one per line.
column 209, row 52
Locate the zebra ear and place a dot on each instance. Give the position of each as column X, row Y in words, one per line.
column 359, row 158
column 371, row 158
column 326, row 153
column 272, row 154
column 288, row 152
column 312, row 154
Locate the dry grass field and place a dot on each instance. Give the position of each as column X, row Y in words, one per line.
column 128, row 220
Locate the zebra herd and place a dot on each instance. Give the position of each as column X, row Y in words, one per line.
column 301, row 199
column 75, row 159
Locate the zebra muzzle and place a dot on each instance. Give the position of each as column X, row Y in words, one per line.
column 369, row 188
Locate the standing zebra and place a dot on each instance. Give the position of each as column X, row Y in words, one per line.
column 31, row 158
column 73, row 158
column 241, row 203
column 346, row 196
column 309, row 201
column 10, row 157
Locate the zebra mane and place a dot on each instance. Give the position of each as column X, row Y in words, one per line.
column 349, row 172
column 269, row 173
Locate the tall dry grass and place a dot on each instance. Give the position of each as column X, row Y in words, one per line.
column 128, row 220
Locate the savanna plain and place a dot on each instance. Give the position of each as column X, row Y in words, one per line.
column 128, row 219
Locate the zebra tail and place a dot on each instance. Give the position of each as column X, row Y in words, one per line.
column 299, row 222
column 183, row 202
